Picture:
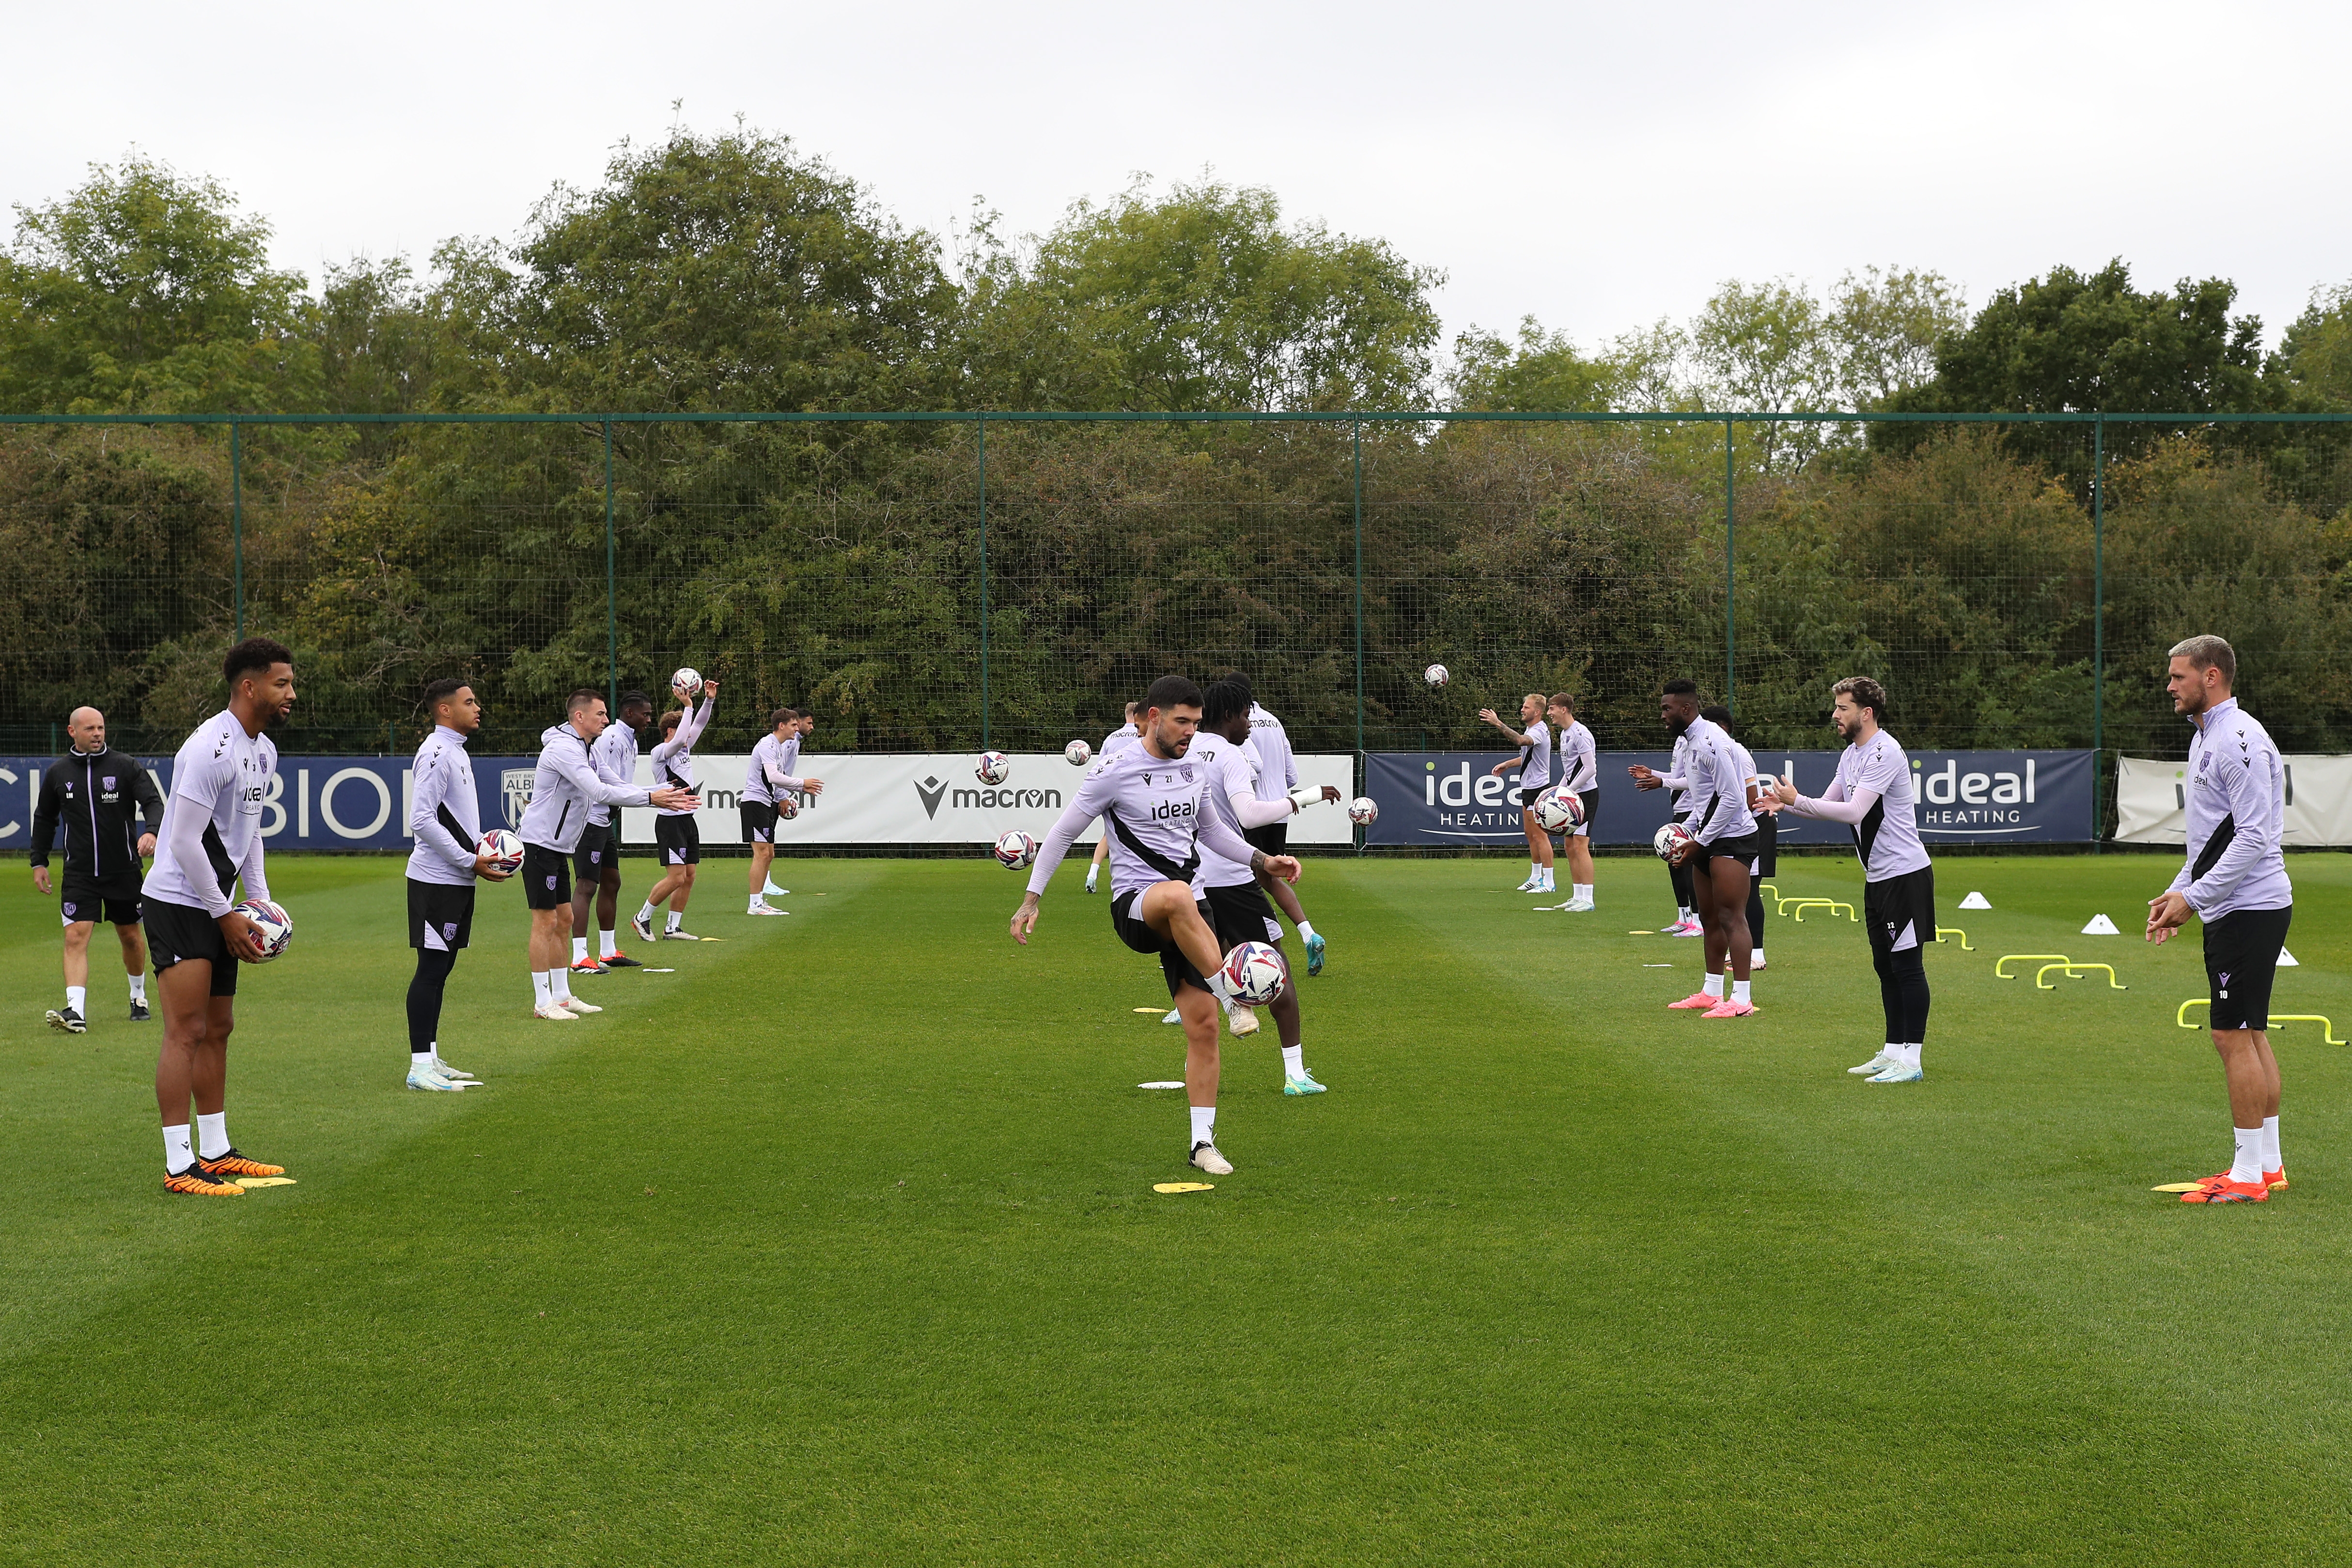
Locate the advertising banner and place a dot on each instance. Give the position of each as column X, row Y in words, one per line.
column 2149, row 804
column 1964, row 796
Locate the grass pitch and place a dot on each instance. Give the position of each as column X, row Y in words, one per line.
column 838, row 1245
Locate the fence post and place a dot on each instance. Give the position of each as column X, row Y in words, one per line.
column 236, row 519
column 1730, row 579
column 2098, row 616
column 1357, row 435
column 612, row 602
column 981, row 424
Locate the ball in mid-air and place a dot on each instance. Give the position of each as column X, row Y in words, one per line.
column 504, row 849
column 686, row 682
column 276, row 926
column 1254, row 971
column 1016, row 851
column 1669, row 839
column 994, row 767
column 1437, row 675
column 1559, row 808
column 1363, row 810
column 1078, row 753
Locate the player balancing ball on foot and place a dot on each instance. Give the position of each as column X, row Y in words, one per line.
column 271, row 923
column 503, row 849
column 1435, row 676
column 1078, row 754
column 1254, row 971
column 1363, row 810
column 1671, row 841
column 994, row 767
column 1016, row 851
column 687, row 683
column 1558, row 810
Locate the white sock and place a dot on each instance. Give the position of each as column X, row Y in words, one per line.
column 757, row 901
column 211, row 1135
column 1713, row 986
column 1535, row 871
column 1582, row 890
column 2272, row 1161
column 139, row 989
column 420, row 1058
column 677, row 919
column 542, row 989
column 1221, row 987
column 559, row 984
column 1755, row 956
column 177, row 1155
column 2248, row 1166
column 579, row 948
column 1307, row 931
column 1204, row 1125
column 1091, row 869
column 1909, row 1054
column 77, row 999
column 1294, row 1060
column 606, row 946
column 1740, row 990
column 645, row 911
column 1682, row 916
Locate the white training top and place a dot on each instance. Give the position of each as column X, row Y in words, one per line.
column 1888, row 837
column 1718, row 791
column 674, row 758
column 1234, row 772
column 444, row 814
column 1277, row 769
column 1152, row 811
column 2236, row 806
column 1535, row 757
column 211, row 835
column 1580, row 765
column 1119, row 740
column 1679, row 789
column 614, row 758
column 563, row 788
column 771, row 768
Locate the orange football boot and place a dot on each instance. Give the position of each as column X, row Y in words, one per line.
column 196, row 1184
column 232, row 1165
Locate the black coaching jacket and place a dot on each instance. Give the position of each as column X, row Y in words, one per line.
column 95, row 796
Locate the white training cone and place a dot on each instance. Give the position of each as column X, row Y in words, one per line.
column 1976, row 901
column 2286, row 960
column 2101, row 925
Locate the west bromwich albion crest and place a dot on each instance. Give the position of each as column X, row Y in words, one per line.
column 516, row 783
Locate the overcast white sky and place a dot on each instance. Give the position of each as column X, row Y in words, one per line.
column 1597, row 165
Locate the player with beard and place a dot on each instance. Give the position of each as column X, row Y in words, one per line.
column 1534, row 764
column 1722, row 846
column 596, row 863
column 1873, row 794
column 97, row 794
column 210, row 841
column 1116, row 741
column 1152, row 802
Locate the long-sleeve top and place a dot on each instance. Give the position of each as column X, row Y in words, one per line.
column 565, row 786
column 1717, row 801
column 674, row 758
column 1677, row 782
column 616, row 758
column 1580, row 765
column 772, row 762
column 95, row 796
column 1277, row 769
column 1156, row 810
column 1874, row 794
column 2236, row 807
column 1232, row 798
column 444, row 814
column 212, row 823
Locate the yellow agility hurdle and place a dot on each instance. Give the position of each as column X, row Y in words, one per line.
column 1944, row 931
column 1831, row 904
column 2072, row 973
column 1999, row 967
column 2326, row 1028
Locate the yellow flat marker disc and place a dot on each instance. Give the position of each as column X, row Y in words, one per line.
column 1153, row 1011
column 1183, row 1186
column 2178, row 1187
column 265, row 1181
column 1641, row 933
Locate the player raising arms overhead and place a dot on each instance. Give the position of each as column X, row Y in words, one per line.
column 1151, row 800
column 210, row 841
column 677, row 834
column 1721, row 848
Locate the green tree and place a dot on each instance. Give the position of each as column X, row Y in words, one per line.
column 1540, row 371
column 1199, row 300
column 147, row 291
column 2317, row 352
column 1884, row 326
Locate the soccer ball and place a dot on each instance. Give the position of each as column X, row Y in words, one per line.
column 786, row 808
column 687, row 683
column 1669, row 839
column 1435, row 676
column 276, row 926
column 1078, row 753
column 1363, row 810
column 1558, row 810
column 1254, row 971
column 994, row 767
column 504, row 849
column 1016, row 851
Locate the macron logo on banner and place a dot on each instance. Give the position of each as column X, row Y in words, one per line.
column 930, row 790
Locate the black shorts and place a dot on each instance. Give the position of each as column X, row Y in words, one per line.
column 758, row 821
column 1900, row 911
column 599, row 847
column 1525, row 796
column 1591, row 799
column 1140, row 936
column 175, row 933
column 440, row 914
column 546, row 877
column 1240, row 913
column 115, row 899
column 1768, row 839
column 680, row 839
column 1742, row 849
column 2242, row 954
column 1273, row 839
